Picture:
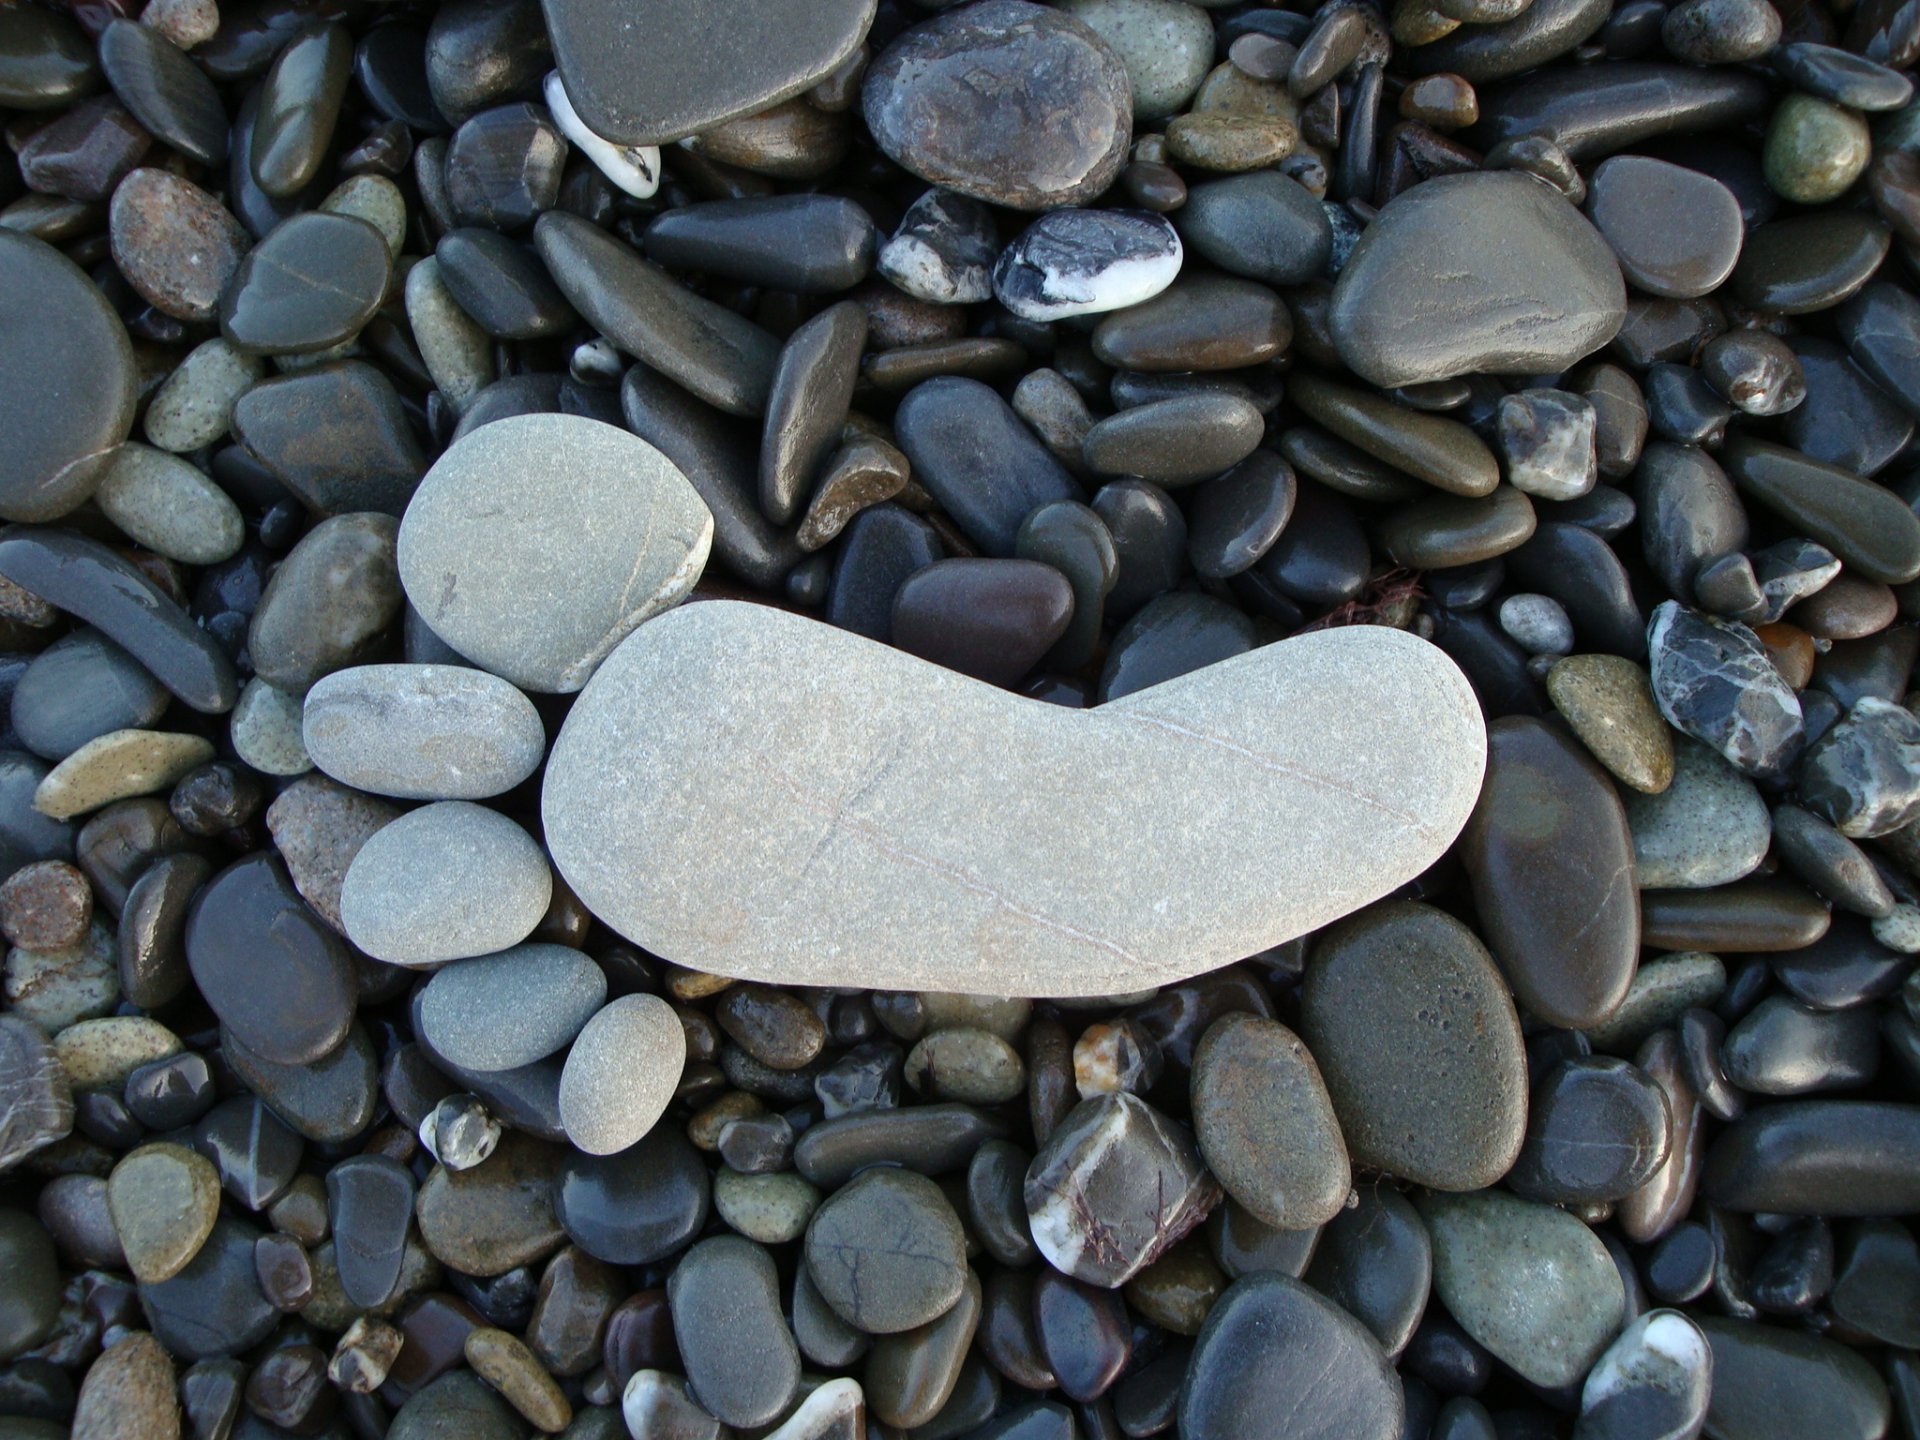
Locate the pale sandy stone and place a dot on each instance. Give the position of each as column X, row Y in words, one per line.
column 751, row 793
column 537, row 546
column 194, row 405
column 117, row 766
column 422, row 732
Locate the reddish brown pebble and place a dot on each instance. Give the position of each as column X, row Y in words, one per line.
column 45, row 906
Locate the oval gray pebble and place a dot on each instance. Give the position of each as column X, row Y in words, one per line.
column 423, row 732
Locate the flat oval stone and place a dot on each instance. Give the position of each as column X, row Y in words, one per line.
column 45, row 60
column 1848, row 515
column 165, row 504
column 168, row 94
column 512, row 1008
column 445, row 882
column 370, row 1207
column 299, row 106
column 1375, row 1262
column 1709, row 827
column 1416, row 299
column 1204, row 322
column 311, row 284
column 1809, row 262
column 887, row 1252
column 164, row 1200
column 695, row 65
column 337, row 436
column 1551, row 860
column 275, row 975
column 329, row 1101
column 806, row 244
column 1419, row 1046
column 1262, row 225
column 536, row 547
column 931, row 1139
column 742, row 1364
column 1770, row 1383
column 58, row 338
column 978, row 459
column 971, row 100
column 79, row 688
column 501, row 283
column 991, row 619
column 494, row 1216
column 176, row 244
column 977, row 906
column 1593, row 115
column 720, row 357
column 215, row 1305
column 1675, row 231
column 807, row 406
column 1442, row 452
column 620, row 1073
column 1265, row 1125
column 1531, row 1283
column 637, row 1205
column 1176, row 441
column 422, row 732
column 1277, row 1359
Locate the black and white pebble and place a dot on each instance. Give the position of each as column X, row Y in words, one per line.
column 1083, row 262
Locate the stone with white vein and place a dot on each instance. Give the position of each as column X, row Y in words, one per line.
column 1085, row 262
column 634, row 168
column 751, row 793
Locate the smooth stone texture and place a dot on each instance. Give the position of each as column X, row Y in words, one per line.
column 1375, row 1262
column 1203, row 322
column 978, row 460
column 337, row 436
column 299, row 107
column 1713, row 680
column 721, row 358
column 445, row 882
column 275, row 975
column 1818, row 1157
column 1421, row 299
column 1774, row 1382
column 60, row 340
column 422, row 732
column 502, row 285
column 311, row 284
column 742, row 1364
column 805, row 244
column 887, row 1252
column 968, row 101
column 1675, row 231
column 329, row 604
column 164, row 1200
column 807, row 406
column 1419, row 1045
column 620, row 1073
column 175, row 244
column 1265, row 1125
column 1592, row 116
column 637, row 1206
column 1608, row 702
column 536, row 571
column 1166, row 48
column 1114, row 1187
column 693, row 66
column 1782, row 1047
column 1174, row 442
column 214, row 1306
column 1597, row 1131
column 370, row 1207
column 1262, row 225
column 168, row 94
column 1654, row 1380
column 1852, row 517
column 512, row 1008
column 1442, row 452
column 79, row 688
column 1709, row 827
column 1550, row 858
column 1003, row 935
column 1276, row 1359
column 495, row 1216
column 1531, row 1283
column 118, row 766
column 168, row 506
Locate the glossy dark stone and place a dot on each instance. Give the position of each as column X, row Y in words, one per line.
column 78, row 689
column 720, row 357
column 978, row 459
column 151, row 935
column 1818, row 1157
column 1074, row 540
column 503, row 167
column 1771, row 1383
column 1173, row 635
column 1577, row 567
column 481, row 52
column 1677, row 232
column 1200, row 322
column 932, row 1139
column 58, row 338
column 1238, row 516
column 92, row 583
column 1865, row 525
column 1321, row 557
column 807, row 406
column 1781, row 1047
column 882, row 547
column 165, row 90
column 807, row 244
column 299, row 106
column 329, row 1101
column 215, row 1305
column 693, row 66
column 992, row 619
column 1149, row 534
column 268, row 967
column 1450, row 530
column 637, row 1206
column 1560, row 913
column 1276, row 1359
column 1689, row 513
column 390, row 69
column 1376, row 1263
column 1804, row 263
column 1493, row 51
column 1083, row 1333
column 1594, row 114
column 311, row 284
column 502, row 285
column 370, row 1205
column 337, row 436
column 1261, row 225
column 1597, row 1129
column 45, row 60
column 716, row 454
column 1846, row 419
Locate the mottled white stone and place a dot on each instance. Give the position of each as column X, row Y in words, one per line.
column 1654, row 1382
column 620, row 1073
column 422, row 732
column 634, row 168
column 750, row 793
column 537, row 543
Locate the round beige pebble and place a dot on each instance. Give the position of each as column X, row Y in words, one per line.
column 164, row 1199
column 118, row 766
column 621, row 1072
column 194, row 405
column 128, row 1393
column 100, row 1054
column 266, row 730
column 160, row 501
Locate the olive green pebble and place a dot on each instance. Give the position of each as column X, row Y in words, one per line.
column 772, row 1209
column 1815, row 150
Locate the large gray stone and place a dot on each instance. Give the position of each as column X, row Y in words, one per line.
column 1425, row 296
column 748, row 792
column 537, row 547
column 422, row 732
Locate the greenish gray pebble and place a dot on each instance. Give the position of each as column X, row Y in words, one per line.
column 772, row 1209
column 194, row 405
column 1166, row 46
column 374, row 199
column 458, row 353
column 1814, row 150
column 1662, row 991
column 160, row 501
column 965, row 1064
column 58, row 988
column 266, row 730
column 1709, row 827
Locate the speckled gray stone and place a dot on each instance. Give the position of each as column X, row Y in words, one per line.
column 445, row 882
column 750, row 793
column 506, row 1010
column 1709, row 827
column 163, row 503
column 620, row 1073
column 537, row 547
column 422, row 732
